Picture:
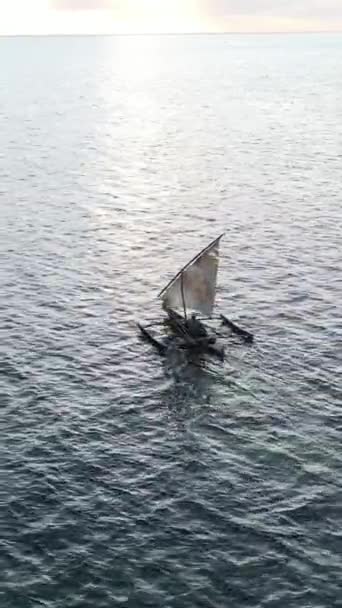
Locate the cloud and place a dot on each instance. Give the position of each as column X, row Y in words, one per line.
column 82, row 5
column 157, row 16
column 273, row 8
column 311, row 9
column 226, row 8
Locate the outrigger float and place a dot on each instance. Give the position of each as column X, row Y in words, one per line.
column 193, row 290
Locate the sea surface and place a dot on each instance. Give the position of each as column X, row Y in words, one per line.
column 126, row 479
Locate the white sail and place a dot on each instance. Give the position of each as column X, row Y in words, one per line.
column 195, row 285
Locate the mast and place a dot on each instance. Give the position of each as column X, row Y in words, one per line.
column 183, row 298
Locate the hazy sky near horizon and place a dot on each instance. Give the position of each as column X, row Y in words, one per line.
column 145, row 16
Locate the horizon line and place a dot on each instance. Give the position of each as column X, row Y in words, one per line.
column 202, row 33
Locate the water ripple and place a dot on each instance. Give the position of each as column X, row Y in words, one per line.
column 131, row 481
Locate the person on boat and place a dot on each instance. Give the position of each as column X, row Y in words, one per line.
column 195, row 327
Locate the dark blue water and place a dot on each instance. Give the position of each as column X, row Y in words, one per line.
column 131, row 481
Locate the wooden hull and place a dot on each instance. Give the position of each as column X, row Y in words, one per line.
column 187, row 342
column 198, row 346
column 204, row 345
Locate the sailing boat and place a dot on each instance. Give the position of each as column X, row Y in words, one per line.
column 190, row 292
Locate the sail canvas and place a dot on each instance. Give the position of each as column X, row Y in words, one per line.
column 196, row 283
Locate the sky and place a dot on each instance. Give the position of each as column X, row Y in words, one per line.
column 30, row 17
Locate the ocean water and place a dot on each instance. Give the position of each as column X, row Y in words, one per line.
column 128, row 480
